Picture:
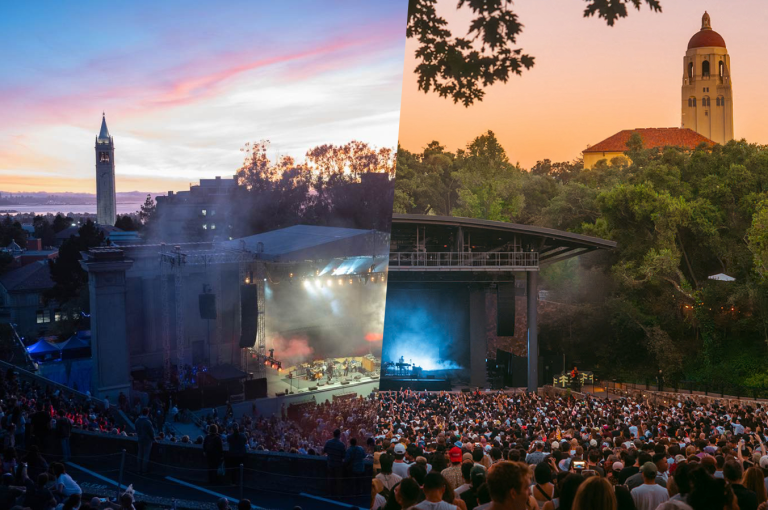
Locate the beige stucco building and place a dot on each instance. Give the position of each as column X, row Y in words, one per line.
column 707, row 95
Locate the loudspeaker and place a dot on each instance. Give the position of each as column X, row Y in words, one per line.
column 344, row 382
column 249, row 313
column 430, row 377
column 215, row 396
column 313, row 388
column 505, row 309
column 255, row 388
column 465, row 390
column 207, row 304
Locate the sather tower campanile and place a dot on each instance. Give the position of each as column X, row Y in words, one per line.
column 106, row 201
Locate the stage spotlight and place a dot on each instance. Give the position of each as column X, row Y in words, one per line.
column 351, row 281
column 373, row 279
column 307, row 284
column 382, row 278
column 330, row 283
column 341, row 281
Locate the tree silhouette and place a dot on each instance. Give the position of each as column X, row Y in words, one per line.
column 461, row 67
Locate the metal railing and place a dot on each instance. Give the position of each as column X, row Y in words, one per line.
column 685, row 387
column 460, row 260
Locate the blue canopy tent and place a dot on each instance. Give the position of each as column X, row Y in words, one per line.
column 77, row 346
column 43, row 350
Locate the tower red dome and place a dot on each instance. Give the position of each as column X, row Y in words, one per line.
column 706, row 37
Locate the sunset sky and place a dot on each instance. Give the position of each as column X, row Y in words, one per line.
column 590, row 80
column 186, row 84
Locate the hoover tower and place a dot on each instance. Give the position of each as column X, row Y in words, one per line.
column 707, row 98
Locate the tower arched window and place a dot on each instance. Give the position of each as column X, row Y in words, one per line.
column 721, row 69
column 690, row 70
column 692, row 102
column 705, row 101
column 705, row 69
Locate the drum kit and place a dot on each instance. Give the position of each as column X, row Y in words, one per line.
column 319, row 369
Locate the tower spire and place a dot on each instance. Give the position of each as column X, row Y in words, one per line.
column 705, row 22
column 104, row 133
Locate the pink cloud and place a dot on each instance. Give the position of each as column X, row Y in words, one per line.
column 193, row 81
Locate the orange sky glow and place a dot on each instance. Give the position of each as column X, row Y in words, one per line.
column 590, row 80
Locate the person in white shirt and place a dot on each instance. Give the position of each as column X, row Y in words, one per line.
column 649, row 495
column 65, row 485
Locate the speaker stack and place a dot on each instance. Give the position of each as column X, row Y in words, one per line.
column 207, row 304
column 249, row 313
column 505, row 309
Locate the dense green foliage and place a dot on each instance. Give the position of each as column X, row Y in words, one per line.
column 678, row 217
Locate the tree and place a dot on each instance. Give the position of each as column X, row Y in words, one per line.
column 757, row 239
column 490, row 185
column 126, row 223
column 60, row 223
column 460, row 67
column 44, row 231
column 148, row 209
column 6, row 259
column 12, row 231
column 70, row 279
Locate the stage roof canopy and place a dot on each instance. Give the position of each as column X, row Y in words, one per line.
column 306, row 242
column 490, row 236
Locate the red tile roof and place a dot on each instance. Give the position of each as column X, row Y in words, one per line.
column 652, row 138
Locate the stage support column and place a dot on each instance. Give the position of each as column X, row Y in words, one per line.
column 532, row 293
column 109, row 342
column 478, row 341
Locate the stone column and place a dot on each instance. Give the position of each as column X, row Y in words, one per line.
column 106, row 269
column 532, row 292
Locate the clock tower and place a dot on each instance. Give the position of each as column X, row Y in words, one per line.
column 707, row 98
column 106, row 201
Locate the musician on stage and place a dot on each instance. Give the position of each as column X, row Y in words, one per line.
column 330, row 372
column 346, row 368
column 575, row 379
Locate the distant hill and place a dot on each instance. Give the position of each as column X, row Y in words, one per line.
column 43, row 197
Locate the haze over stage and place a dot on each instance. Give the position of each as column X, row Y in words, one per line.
column 302, row 242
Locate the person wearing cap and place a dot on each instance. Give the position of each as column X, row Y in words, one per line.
column 452, row 474
column 764, row 467
column 537, row 456
column 649, row 495
column 466, row 477
column 400, row 467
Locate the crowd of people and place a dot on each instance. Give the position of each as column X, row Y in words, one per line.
column 499, row 450
column 305, row 433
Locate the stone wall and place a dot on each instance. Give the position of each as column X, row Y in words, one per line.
column 273, row 471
